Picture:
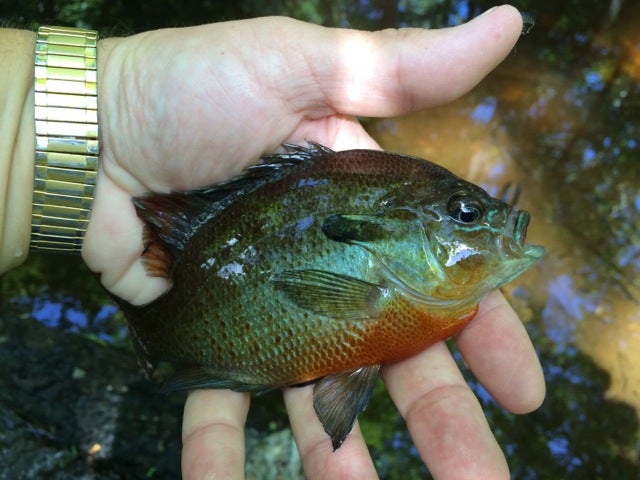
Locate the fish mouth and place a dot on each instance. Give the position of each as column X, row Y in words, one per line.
column 515, row 234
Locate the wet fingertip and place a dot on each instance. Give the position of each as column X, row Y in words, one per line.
column 501, row 8
column 499, row 352
column 526, row 391
column 511, row 19
column 533, row 395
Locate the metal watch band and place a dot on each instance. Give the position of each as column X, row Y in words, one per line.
column 66, row 116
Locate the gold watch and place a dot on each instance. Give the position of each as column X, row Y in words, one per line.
column 66, row 116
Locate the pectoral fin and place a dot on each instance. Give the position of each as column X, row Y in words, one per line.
column 338, row 400
column 330, row 294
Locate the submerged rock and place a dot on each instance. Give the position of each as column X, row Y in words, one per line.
column 76, row 408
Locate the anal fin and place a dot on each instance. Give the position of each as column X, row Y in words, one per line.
column 203, row 377
column 339, row 398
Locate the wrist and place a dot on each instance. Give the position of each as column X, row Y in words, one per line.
column 17, row 145
column 123, row 114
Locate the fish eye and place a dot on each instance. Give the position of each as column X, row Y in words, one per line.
column 464, row 209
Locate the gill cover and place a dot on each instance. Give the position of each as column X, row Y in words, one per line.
column 399, row 244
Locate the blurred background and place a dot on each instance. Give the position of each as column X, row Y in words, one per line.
column 560, row 117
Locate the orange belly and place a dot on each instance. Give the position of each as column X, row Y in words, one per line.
column 401, row 331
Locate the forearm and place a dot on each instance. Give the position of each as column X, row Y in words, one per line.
column 17, row 144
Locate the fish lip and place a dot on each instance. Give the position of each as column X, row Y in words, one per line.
column 512, row 241
column 515, row 235
column 520, row 228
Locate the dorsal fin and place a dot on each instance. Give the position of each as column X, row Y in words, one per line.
column 171, row 219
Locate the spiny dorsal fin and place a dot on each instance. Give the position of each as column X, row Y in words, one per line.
column 171, row 219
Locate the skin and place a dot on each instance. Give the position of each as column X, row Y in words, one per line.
column 184, row 108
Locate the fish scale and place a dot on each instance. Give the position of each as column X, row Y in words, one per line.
column 319, row 266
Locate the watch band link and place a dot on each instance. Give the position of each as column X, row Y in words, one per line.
column 66, row 118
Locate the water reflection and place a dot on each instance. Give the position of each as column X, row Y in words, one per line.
column 67, row 313
column 483, row 113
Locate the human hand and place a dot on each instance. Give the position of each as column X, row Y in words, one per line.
column 185, row 108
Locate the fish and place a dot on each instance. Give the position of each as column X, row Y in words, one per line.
column 316, row 266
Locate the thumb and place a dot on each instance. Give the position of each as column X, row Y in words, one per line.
column 393, row 72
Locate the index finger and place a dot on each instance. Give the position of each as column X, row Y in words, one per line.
column 497, row 348
column 445, row 419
